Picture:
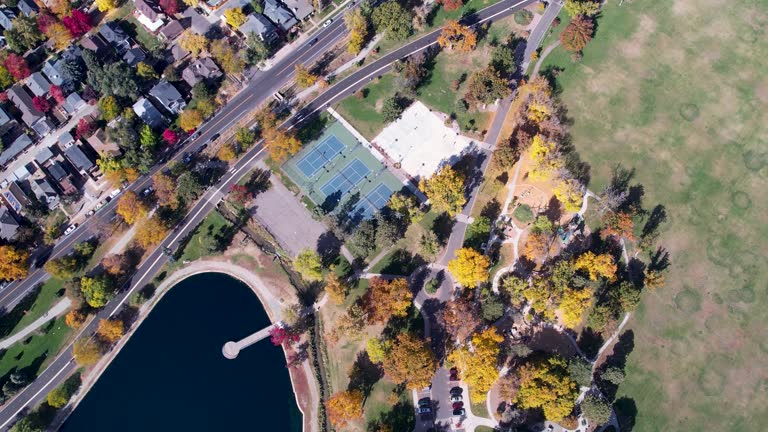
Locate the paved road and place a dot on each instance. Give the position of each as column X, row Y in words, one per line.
column 246, row 101
column 540, row 31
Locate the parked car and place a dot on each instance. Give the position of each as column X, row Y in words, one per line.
column 457, row 405
column 454, row 374
column 147, row 191
column 457, row 390
column 327, row 22
column 115, row 193
column 187, row 158
column 90, row 213
column 69, row 229
column 456, row 398
column 425, row 402
column 459, row 412
column 423, row 410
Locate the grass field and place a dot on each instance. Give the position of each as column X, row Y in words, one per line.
column 678, row 91
column 204, row 241
column 30, row 354
column 47, row 297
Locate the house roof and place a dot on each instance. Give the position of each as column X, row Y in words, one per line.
column 4, row 117
column 22, row 172
column 148, row 113
column 112, row 32
column 43, row 127
column 95, row 43
column 6, row 18
column 134, row 55
column 16, row 147
column 52, row 72
column 146, row 9
column 45, row 192
column 195, row 21
column 57, row 171
column 259, row 24
column 23, row 101
column 301, row 8
column 28, row 7
column 200, row 69
column 38, row 84
column 16, row 197
column 73, row 103
column 43, row 155
column 78, row 158
column 65, row 139
column 279, row 15
column 166, row 94
column 172, row 30
column 177, row 53
column 102, row 145
column 8, row 224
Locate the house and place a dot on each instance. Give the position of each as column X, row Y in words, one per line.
column 175, row 53
column 45, row 192
column 28, row 7
column 114, row 34
column 259, row 24
column 4, row 118
column 279, row 15
column 196, row 22
column 17, row 146
column 95, row 43
column 301, row 9
column 22, row 172
column 43, row 127
column 61, row 177
column 73, row 103
column 167, row 95
column 16, row 198
column 23, row 101
column 171, row 31
column 38, row 84
column 149, row 14
column 134, row 56
column 148, row 113
column 78, row 159
column 66, row 140
column 6, row 18
column 199, row 70
column 43, row 156
column 53, row 71
column 102, row 145
column 8, row 224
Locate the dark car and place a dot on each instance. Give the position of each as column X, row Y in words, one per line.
column 214, row 137
column 425, row 402
column 459, row 412
column 313, row 41
column 457, row 390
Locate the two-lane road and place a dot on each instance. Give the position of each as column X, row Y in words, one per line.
column 63, row 364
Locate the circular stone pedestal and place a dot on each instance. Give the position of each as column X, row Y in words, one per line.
column 230, row 350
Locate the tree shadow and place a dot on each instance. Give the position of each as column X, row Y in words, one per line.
column 659, row 260
column 258, row 182
column 400, row 418
column 655, row 219
column 442, row 227
column 10, row 319
column 589, row 342
column 364, row 374
column 491, row 210
column 331, row 202
column 329, row 247
column 553, row 211
column 626, row 413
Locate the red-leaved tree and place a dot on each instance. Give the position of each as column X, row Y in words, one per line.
column 170, row 7
column 280, row 336
column 44, row 20
column 452, row 5
column 17, row 66
column 3, row 96
column 57, row 94
column 170, row 136
column 240, row 194
column 78, row 23
column 84, row 129
column 41, row 104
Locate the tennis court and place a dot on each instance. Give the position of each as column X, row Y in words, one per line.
column 336, row 168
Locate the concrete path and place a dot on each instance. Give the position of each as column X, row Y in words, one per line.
column 55, row 311
column 232, row 349
column 540, row 31
column 544, row 55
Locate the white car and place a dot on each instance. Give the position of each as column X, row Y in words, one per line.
column 69, row 229
column 327, row 22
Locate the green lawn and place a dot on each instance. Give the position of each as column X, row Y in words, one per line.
column 32, row 356
column 684, row 105
column 211, row 231
column 47, row 297
column 364, row 113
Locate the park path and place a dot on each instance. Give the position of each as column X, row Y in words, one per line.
column 52, row 313
column 544, row 55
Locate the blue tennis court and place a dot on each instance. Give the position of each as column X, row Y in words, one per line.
column 375, row 200
column 323, row 153
column 347, row 178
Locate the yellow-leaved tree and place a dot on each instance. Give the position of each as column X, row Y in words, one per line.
column 545, row 157
column 445, row 190
column 597, row 265
column 86, row 351
column 304, row 78
column 130, row 207
column 235, row 17
column 151, row 232
column 357, row 23
column 386, row 299
column 193, row 42
column 106, row 5
column 410, row 361
column 344, row 407
column 13, row 263
column 469, row 268
column 570, row 193
column 457, row 37
column 190, row 119
column 336, row 288
column 573, row 305
column 478, row 365
column 546, row 384
column 111, row 330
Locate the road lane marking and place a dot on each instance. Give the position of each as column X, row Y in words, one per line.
column 42, row 389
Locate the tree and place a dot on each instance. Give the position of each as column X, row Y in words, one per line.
column 131, row 208
column 626, row 296
column 170, row 136
column 545, row 158
column 377, row 349
column 597, row 410
column 410, row 361
column 146, row 72
column 165, row 190
column 478, row 366
column 344, row 407
column 388, row 231
column 357, row 23
column 228, row 59
column 256, row 50
column 452, row 5
column 414, row 71
column 226, row 152
column 580, row 371
column 362, row 242
column 109, row 108
column 59, row 35
column 62, row 268
column 405, row 205
column 577, row 33
column 151, row 232
column 41, row 104
column 304, row 78
column 188, row 187
column 169, row 7
column 24, row 34
column 78, row 23
column 653, row 279
column 576, row 8
column 597, row 265
column 96, row 290
column 106, row 5
column 57, row 94
column 110, row 330
column 17, row 66
column 570, row 193
column 13, row 263
column 45, row 19
column 74, row 319
column 190, row 119
column 6, row 79
column 392, row 18
column 61, row 8
column 309, row 264
column 459, row 319
column 58, row 397
column 573, row 305
column 281, row 144
column 27, row 424
column 193, row 42
column 503, row 60
column 86, row 351
column 457, row 37
column 445, row 190
column 469, row 268
column 392, row 108
column 485, row 86
column 336, row 289
column 545, row 384
column 115, row 264
column 386, row 299
column 235, row 17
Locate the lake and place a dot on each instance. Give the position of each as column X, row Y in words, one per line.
column 171, row 375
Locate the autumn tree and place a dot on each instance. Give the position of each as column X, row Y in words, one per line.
column 546, row 158
column 6, row 80
column 576, row 8
column 226, row 152
column 478, row 363
column 57, row 94
column 78, row 23
column 410, row 361
column 344, row 407
column 165, row 190
column 227, row 58
column 445, row 190
column 61, row 8
column 235, row 17
column 130, row 207
column 169, row 7
column 386, row 299
column 459, row 319
column 304, row 78
column 115, row 264
column 146, row 72
column 193, row 42
column 309, row 264
column 469, row 268
column 570, row 193
column 109, row 108
column 597, row 266
column 281, row 144
column 377, row 349
column 190, row 119
column 485, row 86
column 86, row 351
column 13, row 263
column 406, row 206
column 96, row 290
column 151, row 232
column 170, row 136
column 17, row 66
column 63, row 267
column 546, row 384
column 357, row 23
column 59, row 35
column 573, row 305
column 74, row 319
column 41, row 104
column 577, row 33
column 336, row 289
column 452, row 5
column 457, row 37
column 351, row 324
column 110, row 330
column 653, row 279
column 618, row 224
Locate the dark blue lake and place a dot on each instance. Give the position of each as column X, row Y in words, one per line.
column 171, row 375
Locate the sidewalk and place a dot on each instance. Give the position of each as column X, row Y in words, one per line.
column 55, row 311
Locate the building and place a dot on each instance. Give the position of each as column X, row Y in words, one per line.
column 4, row 118
column 43, row 127
column 66, row 140
column 259, row 25
column 168, row 97
column 278, row 14
column 6, row 18
column 23, row 101
column 62, row 178
column 175, row 54
column 134, row 56
column 103, row 146
column 149, row 15
column 196, row 22
column 16, row 198
column 43, row 156
column 38, row 84
column 200, row 70
column 148, row 113
column 95, row 43
column 171, row 31
column 8, row 224
column 73, row 103
column 53, row 70
column 45, row 192
column 28, row 7
column 114, row 34
column 301, row 9
column 79, row 160
column 15, row 149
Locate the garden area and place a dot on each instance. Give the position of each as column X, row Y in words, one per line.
column 212, row 236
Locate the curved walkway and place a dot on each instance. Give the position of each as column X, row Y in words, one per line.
column 52, row 313
column 544, row 55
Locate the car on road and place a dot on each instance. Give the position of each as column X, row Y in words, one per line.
column 115, row 193
column 312, row 42
column 69, row 229
column 214, row 137
column 90, row 213
column 425, row 402
column 459, row 412
column 147, row 191
column 457, row 390
column 456, row 398
column 187, row 158
column 454, row 374
column 327, row 22
column 457, row 405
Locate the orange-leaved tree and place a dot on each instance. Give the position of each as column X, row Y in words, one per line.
column 130, row 207
column 577, row 33
column 13, row 263
column 410, row 361
column 457, row 37
column 344, row 407
column 386, row 299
